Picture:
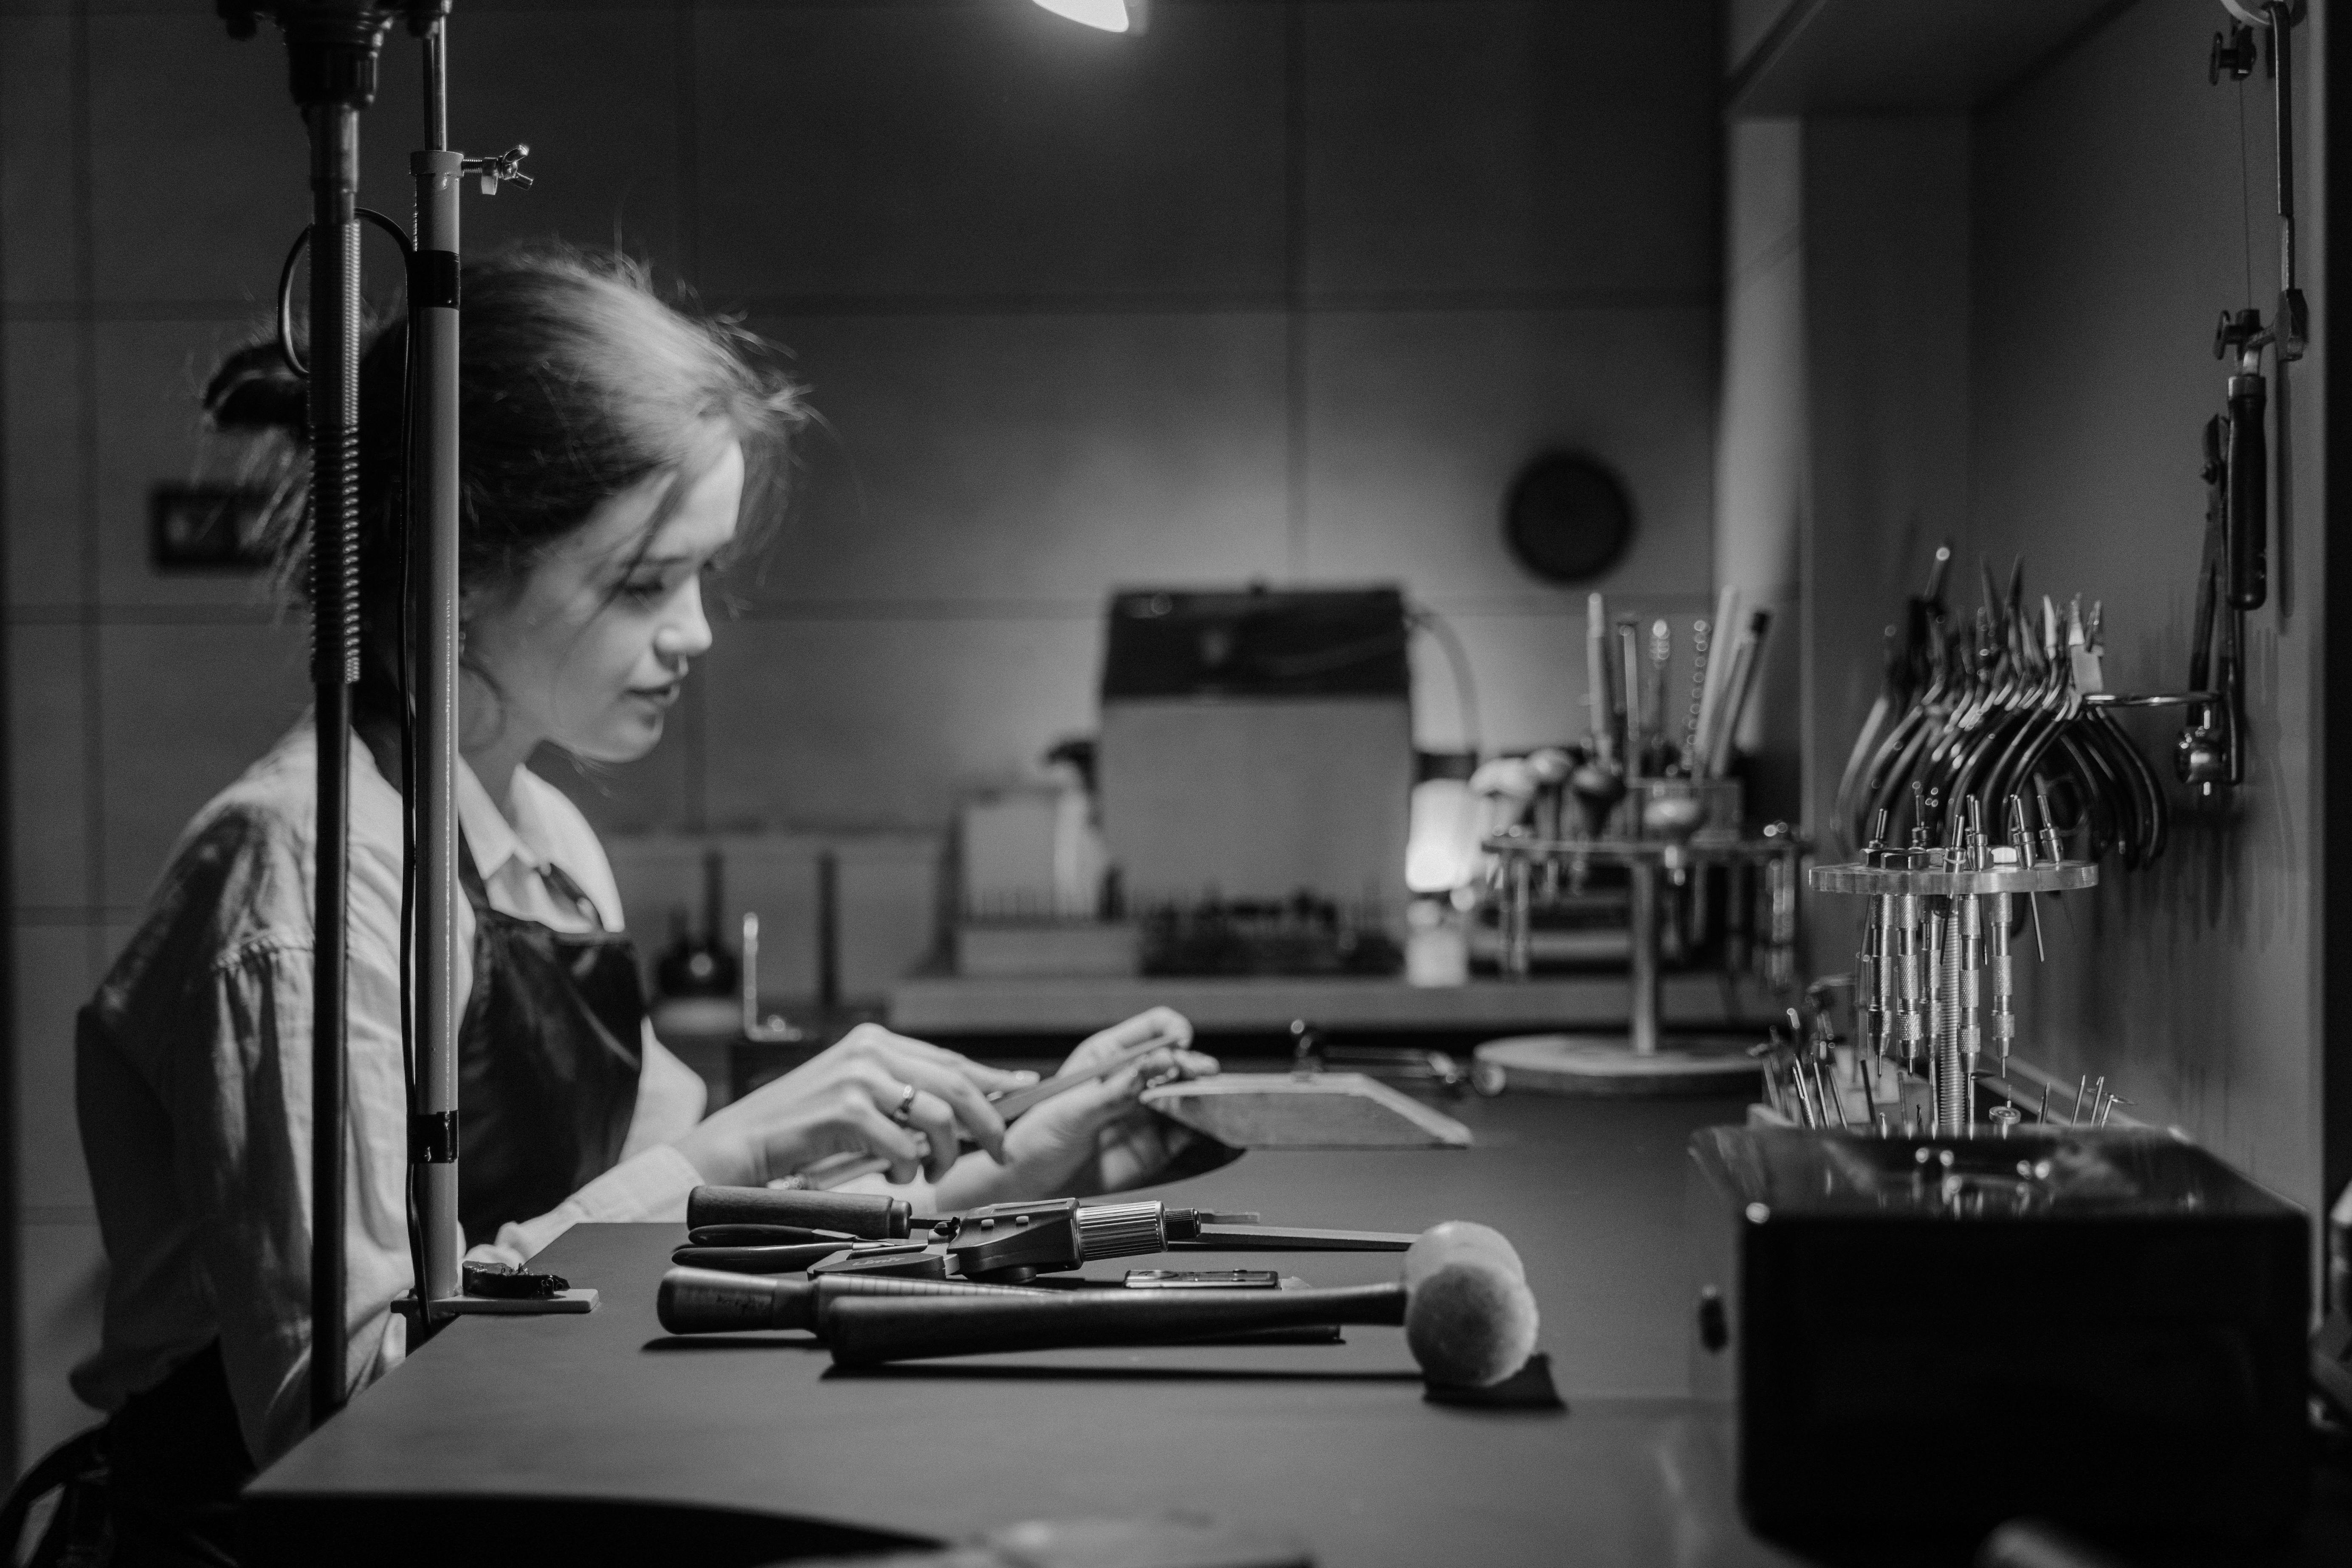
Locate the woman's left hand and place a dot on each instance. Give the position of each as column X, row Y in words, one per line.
column 1096, row 1137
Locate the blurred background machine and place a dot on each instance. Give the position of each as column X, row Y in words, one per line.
column 1257, row 745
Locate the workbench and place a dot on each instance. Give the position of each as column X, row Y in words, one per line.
column 572, row 1440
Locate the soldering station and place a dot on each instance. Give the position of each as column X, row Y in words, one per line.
column 1785, row 1012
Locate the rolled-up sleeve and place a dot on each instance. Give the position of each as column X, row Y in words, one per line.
column 242, row 1122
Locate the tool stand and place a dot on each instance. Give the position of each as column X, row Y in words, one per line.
column 1642, row 1061
column 1937, row 933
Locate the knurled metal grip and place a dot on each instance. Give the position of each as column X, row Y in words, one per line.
column 1121, row 1230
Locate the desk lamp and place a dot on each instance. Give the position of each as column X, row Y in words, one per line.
column 332, row 47
column 1110, row 16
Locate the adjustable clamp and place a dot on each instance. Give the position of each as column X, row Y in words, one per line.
column 499, row 169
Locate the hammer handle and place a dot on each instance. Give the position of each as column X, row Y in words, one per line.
column 867, row 1331
column 706, row 1301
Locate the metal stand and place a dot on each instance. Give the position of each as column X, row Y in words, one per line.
column 1643, row 1060
column 331, row 53
column 333, row 46
column 433, row 600
column 1934, row 986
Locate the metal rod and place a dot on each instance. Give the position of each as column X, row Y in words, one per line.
column 2282, row 19
column 334, row 668
column 1643, row 915
column 433, row 304
column 437, row 86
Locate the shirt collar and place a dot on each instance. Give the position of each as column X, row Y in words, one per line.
column 490, row 837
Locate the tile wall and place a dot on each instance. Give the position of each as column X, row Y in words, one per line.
column 1279, row 290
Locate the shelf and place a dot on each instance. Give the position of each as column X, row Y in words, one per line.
column 956, row 1005
column 1859, row 57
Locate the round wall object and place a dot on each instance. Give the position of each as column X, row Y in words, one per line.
column 1567, row 517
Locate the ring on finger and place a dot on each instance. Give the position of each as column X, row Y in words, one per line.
column 905, row 1105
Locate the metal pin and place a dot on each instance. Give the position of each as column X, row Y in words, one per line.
column 1827, row 1084
column 2044, row 1118
column 2082, row 1089
column 2021, row 837
column 2051, row 843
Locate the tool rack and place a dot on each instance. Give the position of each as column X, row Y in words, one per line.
column 1935, row 984
column 1524, row 860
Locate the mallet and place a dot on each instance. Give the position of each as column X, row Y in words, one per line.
column 709, row 1301
column 1467, row 1314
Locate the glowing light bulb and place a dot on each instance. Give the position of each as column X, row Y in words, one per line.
column 1110, row 16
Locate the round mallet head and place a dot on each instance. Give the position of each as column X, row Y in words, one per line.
column 1469, row 1318
column 1453, row 1238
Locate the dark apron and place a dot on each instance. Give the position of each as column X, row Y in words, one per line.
column 548, row 1061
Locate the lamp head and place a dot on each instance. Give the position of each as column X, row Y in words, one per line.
column 1110, row 16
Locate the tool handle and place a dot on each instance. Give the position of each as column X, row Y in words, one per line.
column 783, row 1259
column 704, row 1301
column 863, row 1332
column 2249, row 459
column 872, row 1216
column 766, row 1235
column 1017, row 1101
column 1213, row 1237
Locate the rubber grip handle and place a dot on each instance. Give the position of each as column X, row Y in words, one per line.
column 2248, row 495
column 706, row 1301
column 864, row 1331
column 872, row 1216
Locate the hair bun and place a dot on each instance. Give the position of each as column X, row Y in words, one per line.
column 254, row 390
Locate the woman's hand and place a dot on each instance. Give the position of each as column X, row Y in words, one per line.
column 844, row 1101
column 1092, row 1139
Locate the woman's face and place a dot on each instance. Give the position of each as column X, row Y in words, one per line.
column 590, row 652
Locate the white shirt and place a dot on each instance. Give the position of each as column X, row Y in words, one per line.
column 193, row 1085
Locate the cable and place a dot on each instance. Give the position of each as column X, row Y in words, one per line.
column 2245, row 196
column 1423, row 617
column 285, row 349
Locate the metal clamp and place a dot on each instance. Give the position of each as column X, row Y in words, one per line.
column 498, row 169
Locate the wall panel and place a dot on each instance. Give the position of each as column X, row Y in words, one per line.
column 1024, row 457
column 2112, row 194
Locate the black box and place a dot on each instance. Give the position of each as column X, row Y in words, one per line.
column 2102, row 1327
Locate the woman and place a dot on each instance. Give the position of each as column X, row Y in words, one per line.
column 609, row 446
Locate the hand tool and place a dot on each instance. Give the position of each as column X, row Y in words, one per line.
column 2010, row 701
column 1596, row 675
column 1747, row 654
column 1469, row 1320
column 1653, row 701
column 1724, row 635
column 1697, row 697
column 1625, row 693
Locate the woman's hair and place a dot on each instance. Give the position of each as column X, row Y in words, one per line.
column 576, row 383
